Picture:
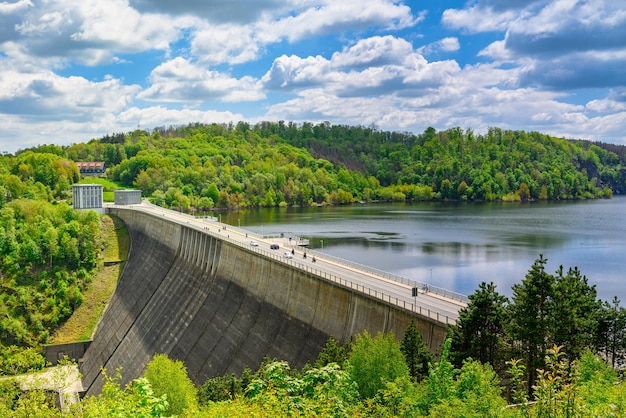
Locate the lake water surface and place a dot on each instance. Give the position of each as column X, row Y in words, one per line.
column 458, row 245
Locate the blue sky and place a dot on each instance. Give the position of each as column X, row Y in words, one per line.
column 71, row 71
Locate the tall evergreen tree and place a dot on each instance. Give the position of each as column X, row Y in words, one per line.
column 479, row 331
column 575, row 311
column 611, row 339
column 416, row 353
column 530, row 312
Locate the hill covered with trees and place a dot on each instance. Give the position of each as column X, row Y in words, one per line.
column 48, row 253
column 274, row 163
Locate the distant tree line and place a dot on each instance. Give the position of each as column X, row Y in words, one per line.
column 201, row 166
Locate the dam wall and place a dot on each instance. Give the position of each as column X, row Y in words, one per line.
column 221, row 307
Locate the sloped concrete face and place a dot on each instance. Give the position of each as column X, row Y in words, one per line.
column 220, row 308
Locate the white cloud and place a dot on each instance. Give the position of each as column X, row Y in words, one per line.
column 338, row 16
column 373, row 66
column 18, row 6
column 90, row 32
column 179, row 80
column 235, row 44
column 449, row 44
column 47, row 96
column 291, row 72
column 373, row 52
column 478, row 19
column 227, row 43
column 162, row 116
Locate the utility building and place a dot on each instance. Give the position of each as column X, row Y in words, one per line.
column 87, row 196
column 127, row 197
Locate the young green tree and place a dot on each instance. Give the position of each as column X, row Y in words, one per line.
column 474, row 392
column 416, row 353
column 220, row 388
column 332, row 353
column 529, row 314
column 376, row 361
column 169, row 378
column 137, row 399
column 479, row 331
column 324, row 391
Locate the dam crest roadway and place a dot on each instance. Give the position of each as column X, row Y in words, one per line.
column 218, row 298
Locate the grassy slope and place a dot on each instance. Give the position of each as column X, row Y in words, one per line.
column 82, row 323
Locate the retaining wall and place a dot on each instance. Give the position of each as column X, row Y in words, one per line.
column 220, row 307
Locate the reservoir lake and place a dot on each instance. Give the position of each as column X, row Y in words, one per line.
column 457, row 246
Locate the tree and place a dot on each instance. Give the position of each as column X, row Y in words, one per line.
column 325, row 391
column 612, row 332
column 529, row 315
column 575, row 311
column 376, row 361
column 416, row 353
column 137, row 399
column 331, row 353
column 479, row 331
column 524, row 192
column 169, row 378
column 472, row 391
column 213, row 192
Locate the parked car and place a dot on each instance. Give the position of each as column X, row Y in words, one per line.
column 287, row 254
column 274, row 247
column 254, row 243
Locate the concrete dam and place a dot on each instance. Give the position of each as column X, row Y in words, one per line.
column 220, row 307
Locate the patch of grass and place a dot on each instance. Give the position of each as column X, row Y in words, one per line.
column 82, row 323
column 117, row 241
column 107, row 185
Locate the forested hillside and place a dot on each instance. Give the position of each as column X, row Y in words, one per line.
column 269, row 164
column 47, row 254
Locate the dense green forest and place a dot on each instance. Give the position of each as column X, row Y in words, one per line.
column 269, row 164
column 49, row 253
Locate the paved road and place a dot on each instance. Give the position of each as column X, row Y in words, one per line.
column 399, row 292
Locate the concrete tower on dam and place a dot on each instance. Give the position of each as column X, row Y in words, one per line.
column 221, row 307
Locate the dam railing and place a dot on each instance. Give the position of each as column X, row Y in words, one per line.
column 393, row 300
column 424, row 286
column 396, row 278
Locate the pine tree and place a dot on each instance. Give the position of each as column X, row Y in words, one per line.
column 530, row 317
column 416, row 353
column 611, row 339
column 575, row 313
column 479, row 331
